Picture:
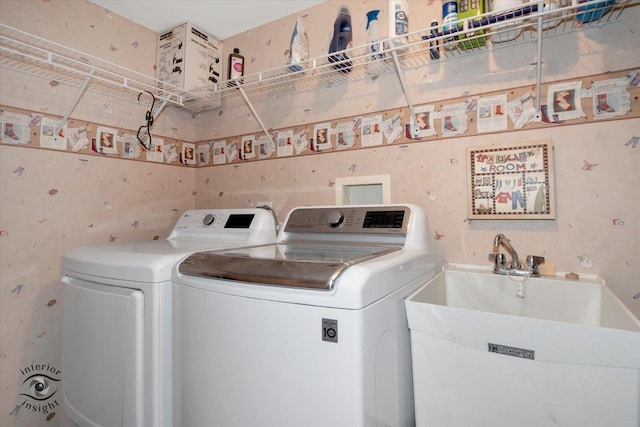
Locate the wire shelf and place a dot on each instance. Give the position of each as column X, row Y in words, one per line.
column 490, row 31
column 37, row 56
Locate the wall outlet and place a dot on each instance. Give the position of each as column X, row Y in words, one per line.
column 269, row 204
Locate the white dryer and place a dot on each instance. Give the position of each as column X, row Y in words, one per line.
column 310, row 331
column 116, row 321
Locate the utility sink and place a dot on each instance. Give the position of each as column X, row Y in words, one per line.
column 494, row 350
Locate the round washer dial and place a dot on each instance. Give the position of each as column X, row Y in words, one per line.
column 335, row 219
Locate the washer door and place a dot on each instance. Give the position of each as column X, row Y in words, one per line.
column 102, row 353
column 295, row 265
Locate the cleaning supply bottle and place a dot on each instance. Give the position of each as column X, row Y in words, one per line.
column 434, row 51
column 236, row 67
column 375, row 52
column 398, row 22
column 449, row 22
column 503, row 32
column 341, row 40
column 551, row 20
column 298, row 48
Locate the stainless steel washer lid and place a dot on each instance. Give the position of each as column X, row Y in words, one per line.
column 297, row 265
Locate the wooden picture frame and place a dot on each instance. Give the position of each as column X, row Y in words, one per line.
column 513, row 181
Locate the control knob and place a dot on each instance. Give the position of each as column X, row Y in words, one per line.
column 335, row 219
column 209, row 219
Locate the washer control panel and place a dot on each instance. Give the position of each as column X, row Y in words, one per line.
column 347, row 219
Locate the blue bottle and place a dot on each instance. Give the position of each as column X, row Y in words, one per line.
column 449, row 22
column 341, row 40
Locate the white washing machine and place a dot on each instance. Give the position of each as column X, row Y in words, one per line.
column 310, row 331
column 116, row 322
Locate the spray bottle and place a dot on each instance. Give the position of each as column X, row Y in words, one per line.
column 374, row 45
column 398, row 22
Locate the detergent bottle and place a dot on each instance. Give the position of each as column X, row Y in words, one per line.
column 341, row 41
column 299, row 47
column 503, row 32
column 375, row 47
column 398, row 22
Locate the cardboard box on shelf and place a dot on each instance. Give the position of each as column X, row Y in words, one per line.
column 469, row 9
column 190, row 59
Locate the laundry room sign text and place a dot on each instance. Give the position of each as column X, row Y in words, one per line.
column 512, row 181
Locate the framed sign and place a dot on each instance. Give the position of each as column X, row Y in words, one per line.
column 511, row 181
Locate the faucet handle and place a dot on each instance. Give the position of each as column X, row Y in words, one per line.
column 498, row 259
column 534, row 261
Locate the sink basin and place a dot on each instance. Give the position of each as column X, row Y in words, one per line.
column 567, row 353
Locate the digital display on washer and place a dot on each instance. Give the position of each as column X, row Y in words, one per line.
column 239, row 221
column 383, row 219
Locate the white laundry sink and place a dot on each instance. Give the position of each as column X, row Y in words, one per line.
column 567, row 353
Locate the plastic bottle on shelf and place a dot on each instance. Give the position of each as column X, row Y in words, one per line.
column 398, row 22
column 375, row 52
column 449, row 22
column 551, row 20
column 236, row 67
column 595, row 10
column 501, row 33
column 434, row 46
column 341, row 41
column 298, row 48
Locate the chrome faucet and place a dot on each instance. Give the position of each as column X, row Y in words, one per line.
column 501, row 239
column 513, row 268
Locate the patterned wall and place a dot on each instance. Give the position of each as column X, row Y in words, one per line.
column 52, row 201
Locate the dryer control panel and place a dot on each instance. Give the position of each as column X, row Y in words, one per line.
column 224, row 224
column 200, row 219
